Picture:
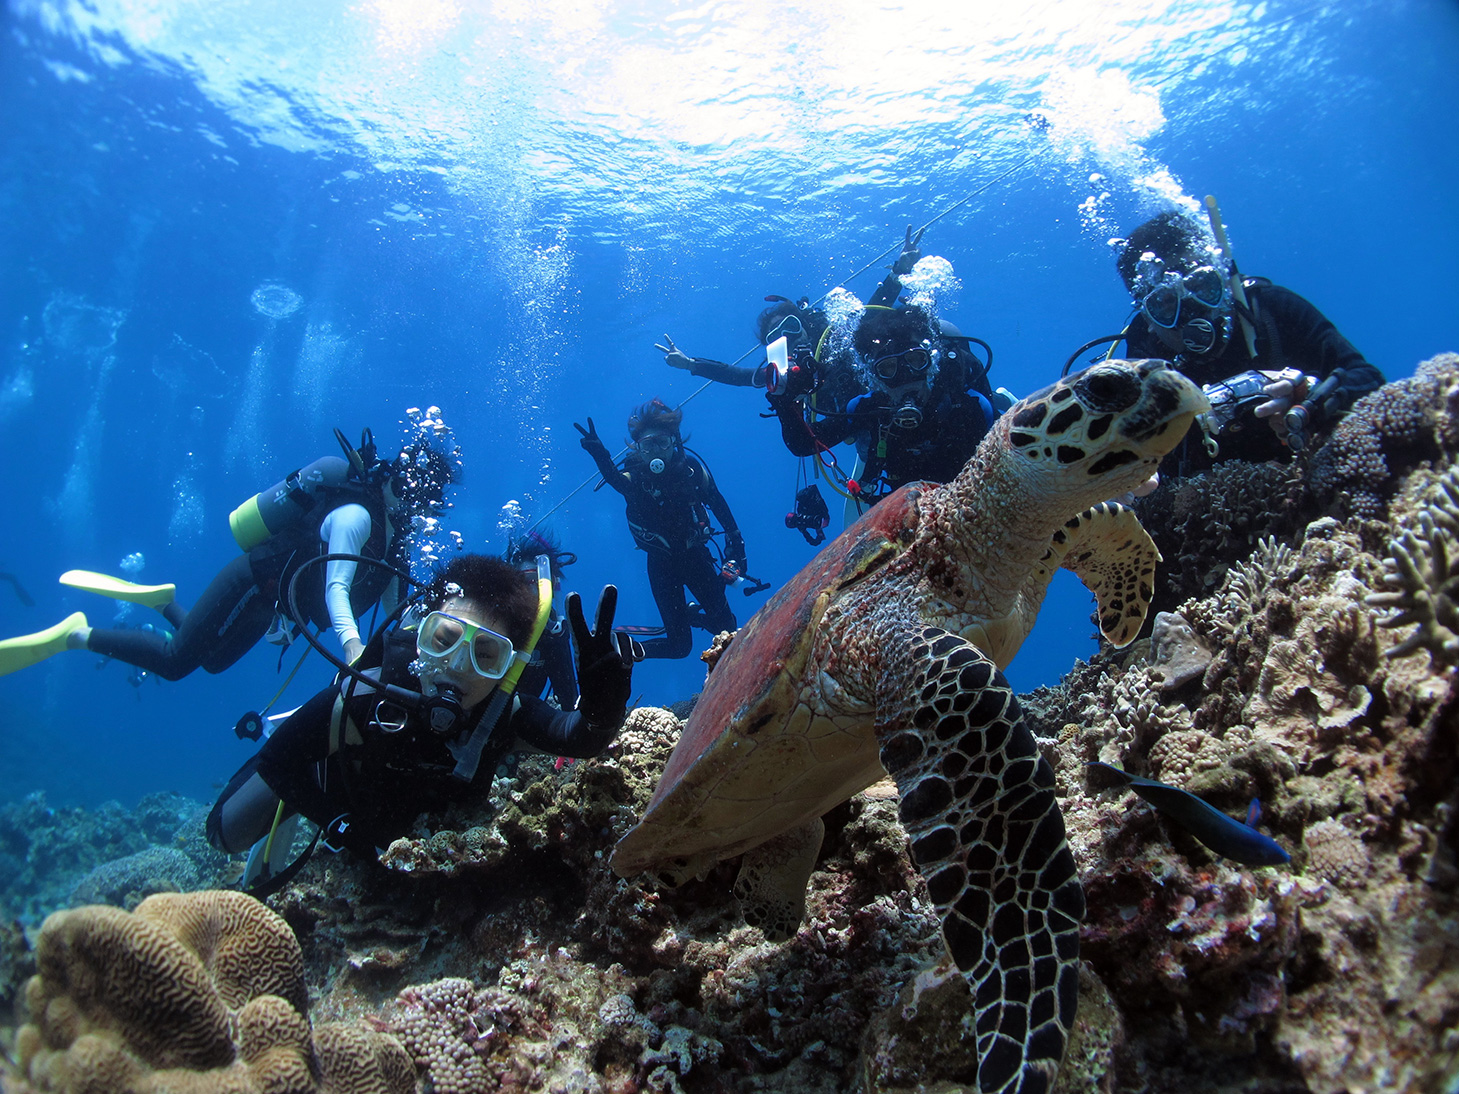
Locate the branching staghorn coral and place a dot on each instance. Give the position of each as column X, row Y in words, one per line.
column 1423, row 572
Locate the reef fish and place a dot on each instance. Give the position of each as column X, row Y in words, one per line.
column 1225, row 835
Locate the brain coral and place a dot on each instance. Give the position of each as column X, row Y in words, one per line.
column 149, row 1001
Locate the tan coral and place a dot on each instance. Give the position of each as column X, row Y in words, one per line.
column 1423, row 577
column 1388, row 432
column 1336, row 854
column 246, row 949
column 148, row 1003
column 1131, row 705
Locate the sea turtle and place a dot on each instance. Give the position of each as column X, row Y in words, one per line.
column 882, row 657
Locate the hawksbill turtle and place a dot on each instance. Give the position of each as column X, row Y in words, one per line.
column 883, row 656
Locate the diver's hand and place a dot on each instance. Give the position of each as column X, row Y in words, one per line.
column 1281, row 395
column 910, row 252
column 591, row 442
column 353, row 647
column 673, row 356
column 605, row 659
column 734, row 549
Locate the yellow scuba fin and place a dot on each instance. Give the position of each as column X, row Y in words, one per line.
column 31, row 649
column 151, row 596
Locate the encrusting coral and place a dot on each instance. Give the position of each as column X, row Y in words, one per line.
column 1387, row 434
column 152, row 1000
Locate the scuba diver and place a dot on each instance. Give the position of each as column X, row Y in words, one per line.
column 804, row 328
column 423, row 725
column 797, row 321
column 1264, row 355
column 668, row 490
column 919, row 402
column 922, row 418
column 359, row 505
column 551, row 664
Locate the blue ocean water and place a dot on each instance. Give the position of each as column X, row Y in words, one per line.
column 227, row 227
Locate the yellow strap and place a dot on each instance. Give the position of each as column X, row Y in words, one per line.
column 268, row 848
column 544, row 612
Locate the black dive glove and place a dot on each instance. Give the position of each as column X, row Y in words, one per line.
column 591, row 442
column 605, row 660
column 734, row 551
column 910, row 254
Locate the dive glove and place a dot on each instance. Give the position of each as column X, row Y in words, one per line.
column 605, row 660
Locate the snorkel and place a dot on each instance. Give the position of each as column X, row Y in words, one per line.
column 468, row 752
column 1238, row 290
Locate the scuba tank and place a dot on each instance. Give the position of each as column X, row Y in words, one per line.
column 283, row 504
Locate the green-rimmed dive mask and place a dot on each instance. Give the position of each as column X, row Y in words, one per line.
column 451, row 642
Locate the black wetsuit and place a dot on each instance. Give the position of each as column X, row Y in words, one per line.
column 666, row 514
column 242, row 601
column 552, row 666
column 1290, row 333
column 382, row 779
column 955, row 418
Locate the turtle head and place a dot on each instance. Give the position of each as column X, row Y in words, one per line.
column 1103, row 430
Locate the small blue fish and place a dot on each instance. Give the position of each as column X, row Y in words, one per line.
column 1225, row 835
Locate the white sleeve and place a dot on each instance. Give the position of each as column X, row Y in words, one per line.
column 344, row 532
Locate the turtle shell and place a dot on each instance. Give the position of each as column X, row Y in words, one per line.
column 755, row 688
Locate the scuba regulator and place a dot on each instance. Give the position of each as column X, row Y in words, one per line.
column 439, row 705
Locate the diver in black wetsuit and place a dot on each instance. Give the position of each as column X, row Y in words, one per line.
column 922, row 418
column 921, row 400
column 1272, row 360
column 800, row 324
column 551, row 664
column 668, row 491
column 363, row 764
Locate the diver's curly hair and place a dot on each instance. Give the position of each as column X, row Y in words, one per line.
column 884, row 331
column 654, row 415
column 496, row 586
column 1175, row 236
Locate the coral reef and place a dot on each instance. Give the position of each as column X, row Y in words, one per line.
column 124, row 882
column 1206, row 523
column 501, row 951
column 1423, row 572
column 56, row 858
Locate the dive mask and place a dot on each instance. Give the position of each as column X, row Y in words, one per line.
column 656, row 444
column 444, row 641
column 914, row 360
column 789, row 327
column 1162, row 304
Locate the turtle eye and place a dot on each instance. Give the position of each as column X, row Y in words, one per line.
column 1107, row 389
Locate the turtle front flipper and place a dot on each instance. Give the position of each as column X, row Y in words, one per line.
column 772, row 879
column 986, row 833
column 1109, row 550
